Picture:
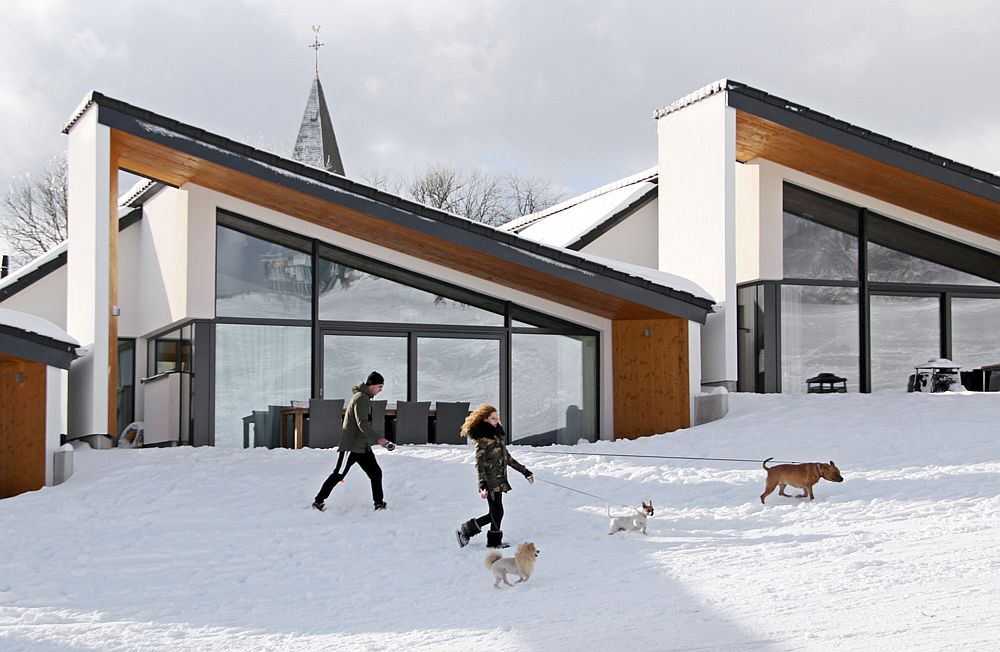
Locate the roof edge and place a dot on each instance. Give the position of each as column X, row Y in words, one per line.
column 521, row 223
column 322, row 184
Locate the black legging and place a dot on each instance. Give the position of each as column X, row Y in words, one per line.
column 495, row 501
column 368, row 464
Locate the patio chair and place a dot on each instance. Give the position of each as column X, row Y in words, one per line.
column 326, row 423
column 411, row 422
column 265, row 427
column 448, row 421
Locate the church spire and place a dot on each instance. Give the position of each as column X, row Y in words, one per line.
column 316, row 144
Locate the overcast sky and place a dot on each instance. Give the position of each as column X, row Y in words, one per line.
column 561, row 90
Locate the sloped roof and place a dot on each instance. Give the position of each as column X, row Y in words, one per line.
column 176, row 153
column 316, row 144
column 744, row 97
column 567, row 223
column 33, row 338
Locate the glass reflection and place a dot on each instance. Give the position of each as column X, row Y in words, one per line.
column 455, row 369
column 905, row 333
column 812, row 250
column 348, row 359
column 257, row 278
column 975, row 332
column 819, row 332
column 347, row 294
column 553, row 388
column 889, row 265
column 257, row 367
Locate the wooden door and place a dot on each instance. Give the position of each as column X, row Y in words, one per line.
column 22, row 425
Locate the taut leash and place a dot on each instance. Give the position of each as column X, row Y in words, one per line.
column 665, row 457
column 607, row 502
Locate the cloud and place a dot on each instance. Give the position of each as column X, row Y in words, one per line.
column 562, row 90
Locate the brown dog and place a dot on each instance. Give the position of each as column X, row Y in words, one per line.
column 803, row 476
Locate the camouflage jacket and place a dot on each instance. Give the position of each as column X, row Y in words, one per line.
column 359, row 435
column 492, row 457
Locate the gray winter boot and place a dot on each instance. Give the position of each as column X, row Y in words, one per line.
column 468, row 530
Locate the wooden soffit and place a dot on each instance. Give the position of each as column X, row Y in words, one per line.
column 175, row 167
column 757, row 137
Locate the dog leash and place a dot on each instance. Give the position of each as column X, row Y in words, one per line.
column 606, row 501
column 665, row 457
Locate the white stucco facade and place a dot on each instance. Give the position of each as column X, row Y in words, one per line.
column 697, row 219
column 634, row 240
column 88, row 311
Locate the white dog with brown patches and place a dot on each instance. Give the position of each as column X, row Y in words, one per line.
column 521, row 564
column 632, row 522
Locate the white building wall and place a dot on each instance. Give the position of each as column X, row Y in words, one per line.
column 55, row 416
column 162, row 259
column 130, row 283
column 758, row 223
column 203, row 204
column 634, row 240
column 88, row 312
column 697, row 196
column 45, row 298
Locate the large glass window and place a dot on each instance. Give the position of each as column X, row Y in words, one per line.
column 458, row 369
column 888, row 265
column 257, row 367
column 905, row 331
column 819, row 237
column 975, row 332
column 348, row 359
column 553, row 388
column 348, row 294
column 819, row 333
column 814, row 251
column 260, row 278
column 430, row 339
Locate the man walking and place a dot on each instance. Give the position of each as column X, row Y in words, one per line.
column 356, row 443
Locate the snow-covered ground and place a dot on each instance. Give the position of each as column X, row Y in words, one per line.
column 211, row 549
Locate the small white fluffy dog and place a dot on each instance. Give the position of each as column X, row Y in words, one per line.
column 521, row 564
column 632, row 522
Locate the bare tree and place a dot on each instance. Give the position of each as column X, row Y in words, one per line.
column 478, row 195
column 35, row 210
column 529, row 194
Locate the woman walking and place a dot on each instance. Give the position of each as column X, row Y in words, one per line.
column 483, row 427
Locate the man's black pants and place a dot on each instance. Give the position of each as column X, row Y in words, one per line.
column 368, row 464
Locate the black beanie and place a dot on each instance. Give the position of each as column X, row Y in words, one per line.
column 375, row 378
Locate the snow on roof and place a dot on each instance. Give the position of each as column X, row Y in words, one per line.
column 691, row 98
column 32, row 324
column 568, row 221
column 656, row 276
column 26, row 269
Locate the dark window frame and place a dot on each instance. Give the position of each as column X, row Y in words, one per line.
column 904, row 238
column 318, row 249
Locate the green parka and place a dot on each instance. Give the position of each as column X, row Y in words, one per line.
column 492, row 457
column 359, row 435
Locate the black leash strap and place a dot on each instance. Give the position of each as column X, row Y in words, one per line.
column 665, row 457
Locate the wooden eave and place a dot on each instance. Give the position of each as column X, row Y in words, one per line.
column 176, row 157
column 858, row 160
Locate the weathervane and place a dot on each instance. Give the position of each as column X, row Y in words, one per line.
column 316, row 46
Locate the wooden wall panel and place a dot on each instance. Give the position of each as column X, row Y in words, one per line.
column 759, row 138
column 22, row 426
column 650, row 376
